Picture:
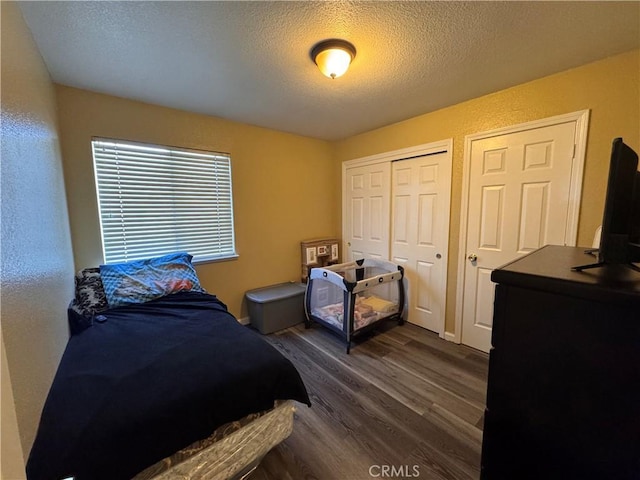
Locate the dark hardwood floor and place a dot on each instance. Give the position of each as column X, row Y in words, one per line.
column 403, row 398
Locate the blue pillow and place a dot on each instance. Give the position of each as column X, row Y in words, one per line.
column 144, row 280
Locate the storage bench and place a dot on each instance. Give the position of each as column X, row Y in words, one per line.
column 276, row 307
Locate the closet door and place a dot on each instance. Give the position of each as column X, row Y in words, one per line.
column 367, row 200
column 420, row 233
column 404, row 216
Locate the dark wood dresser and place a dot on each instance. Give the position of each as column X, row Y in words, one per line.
column 563, row 398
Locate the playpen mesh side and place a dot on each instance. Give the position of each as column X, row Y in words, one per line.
column 376, row 302
column 328, row 303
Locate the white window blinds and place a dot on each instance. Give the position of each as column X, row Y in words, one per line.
column 155, row 200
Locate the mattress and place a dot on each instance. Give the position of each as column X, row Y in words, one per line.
column 231, row 451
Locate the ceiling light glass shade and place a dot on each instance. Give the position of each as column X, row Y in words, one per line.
column 333, row 62
column 333, row 57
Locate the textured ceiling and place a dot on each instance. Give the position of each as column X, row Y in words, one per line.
column 249, row 61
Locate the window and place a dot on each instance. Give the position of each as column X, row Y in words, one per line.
column 155, row 200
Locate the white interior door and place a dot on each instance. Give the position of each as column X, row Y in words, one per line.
column 366, row 226
column 420, row 202
column 519, row 200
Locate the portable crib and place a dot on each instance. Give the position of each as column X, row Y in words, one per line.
column 350, row 298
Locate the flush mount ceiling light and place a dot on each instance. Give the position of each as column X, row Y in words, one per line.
column 333, row 56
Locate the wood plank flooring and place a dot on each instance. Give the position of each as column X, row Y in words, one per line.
column 403, row 398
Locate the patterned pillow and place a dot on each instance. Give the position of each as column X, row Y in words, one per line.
column 144, row 280
column 90, row 295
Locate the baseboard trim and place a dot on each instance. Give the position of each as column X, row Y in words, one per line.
column 244, row 321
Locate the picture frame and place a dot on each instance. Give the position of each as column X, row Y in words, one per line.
column 334, row 252
column 312, row 255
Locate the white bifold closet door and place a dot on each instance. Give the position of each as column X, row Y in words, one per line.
column 420, row 233
column 399, row 210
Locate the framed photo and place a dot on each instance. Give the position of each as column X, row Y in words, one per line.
column 323, row 250
column 334, row 252
column 312, row 256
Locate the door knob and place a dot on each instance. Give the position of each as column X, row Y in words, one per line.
column 348, row 244
column 473, row 257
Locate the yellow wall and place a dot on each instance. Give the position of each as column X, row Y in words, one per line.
column 609, row 88
column 37, row 262
column 284, row 187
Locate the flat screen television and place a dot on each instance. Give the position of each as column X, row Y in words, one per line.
column 620, row 238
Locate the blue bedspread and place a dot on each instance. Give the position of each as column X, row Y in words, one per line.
column 150, row 380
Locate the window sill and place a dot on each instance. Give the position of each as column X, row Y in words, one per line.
column 215, row 259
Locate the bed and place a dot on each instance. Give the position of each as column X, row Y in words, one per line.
column 172, row 387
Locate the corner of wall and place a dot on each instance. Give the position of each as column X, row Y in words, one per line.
column 37, row 261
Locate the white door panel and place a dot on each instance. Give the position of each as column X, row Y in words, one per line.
column 518, row 201
column 425, row 281
column 484, row 299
